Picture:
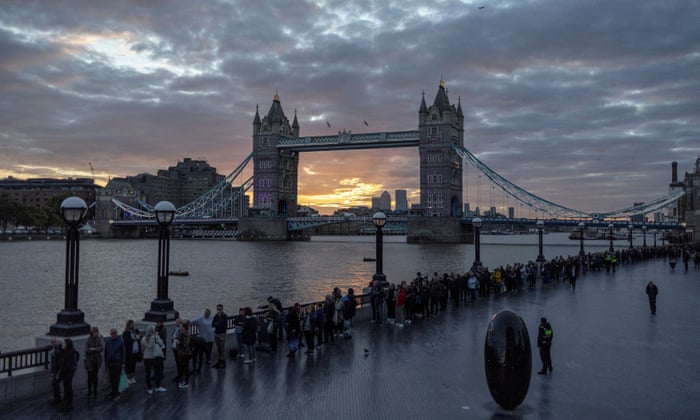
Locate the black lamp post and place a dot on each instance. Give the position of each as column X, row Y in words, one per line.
column 379, row 220
column 629, row 234
column 611, row 228
column 654, row 233
column 162, row 308
column 477, row 241
column 581, row 227
column 71, row 320
column 644, row 236
column 540, row 228
column 663, row 237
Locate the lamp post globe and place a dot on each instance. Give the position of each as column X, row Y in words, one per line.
column 73, row 209
column 165, row 212
column 477, row 241
column 379, row 220
column 611, row 228
column 71, row 320
column 162, row 308
column 540, row 228
column 581, row 228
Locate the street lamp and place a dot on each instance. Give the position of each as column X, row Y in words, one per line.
column 654, row 233
column 611, row 228
column 477, row 242
column 581, row 227
column 71, row 320
column 629, row 234
column 162, row 308
column 379, row 220
column 644, row 236
column 540, row 228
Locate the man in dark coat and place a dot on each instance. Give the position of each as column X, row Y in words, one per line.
column 652, row 291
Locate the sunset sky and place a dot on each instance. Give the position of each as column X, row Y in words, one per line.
column 584, row 103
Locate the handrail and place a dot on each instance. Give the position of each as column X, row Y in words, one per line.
column 24, row 359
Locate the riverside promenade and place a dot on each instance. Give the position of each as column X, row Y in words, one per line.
column 612, row 359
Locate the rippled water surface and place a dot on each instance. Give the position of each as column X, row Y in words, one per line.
column 118, row 277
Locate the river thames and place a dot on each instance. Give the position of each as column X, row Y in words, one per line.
column 118, row 277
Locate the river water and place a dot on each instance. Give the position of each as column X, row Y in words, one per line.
column 117, row 278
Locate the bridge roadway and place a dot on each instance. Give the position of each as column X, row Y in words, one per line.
column 612, row 360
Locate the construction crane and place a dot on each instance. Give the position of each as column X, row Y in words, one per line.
column 92, row 169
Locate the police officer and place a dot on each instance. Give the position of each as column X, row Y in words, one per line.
column 544, row 342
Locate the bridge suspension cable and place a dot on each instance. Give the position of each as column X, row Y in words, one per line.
column 208, row 204
column 556, row 210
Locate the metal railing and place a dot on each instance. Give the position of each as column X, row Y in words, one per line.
column 24, row 359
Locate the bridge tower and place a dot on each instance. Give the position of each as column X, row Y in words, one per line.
column 441, row 170
column 275, row 170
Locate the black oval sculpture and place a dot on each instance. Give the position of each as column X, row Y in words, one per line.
column 508, row 359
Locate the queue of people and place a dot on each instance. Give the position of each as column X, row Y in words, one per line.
column 313, row 326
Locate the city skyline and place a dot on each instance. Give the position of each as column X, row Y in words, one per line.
column 584, row 105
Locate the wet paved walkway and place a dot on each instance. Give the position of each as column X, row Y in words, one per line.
column 612, row 360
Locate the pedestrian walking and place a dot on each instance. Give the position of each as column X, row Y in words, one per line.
column 652, row 291
column 545, row 334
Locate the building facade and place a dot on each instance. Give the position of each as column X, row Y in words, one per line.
column 38, row 191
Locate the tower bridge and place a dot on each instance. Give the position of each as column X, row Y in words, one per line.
column 277, row 143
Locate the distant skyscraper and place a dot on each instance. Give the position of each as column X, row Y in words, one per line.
column 467, row 212
column 511, row 212
column 492, row 212
column 401, row 200
column 376, row 205
column 385, row 201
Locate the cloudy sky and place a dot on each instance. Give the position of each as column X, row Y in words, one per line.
column 585, row 103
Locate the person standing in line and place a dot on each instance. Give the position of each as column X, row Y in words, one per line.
column 328, row 326
column 278, row 304
column 308, row 324
column 56, row 359
column 220, row 324
column 349, row 310
column 391, row 304
column 160, row 330
column 293, row 329
column 68, row 367
column 115, row 356
column 250, row 333
column 238, row 324
column 173, row 346
column 206, row 332
column 153, row 354
column 93, row 360
column 400, row 304
column 652, row 291
column 275, row 317
column 184, row 353
column 545, row 334
column 132, row 342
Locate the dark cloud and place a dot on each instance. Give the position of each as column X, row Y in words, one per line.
column 584, row 103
